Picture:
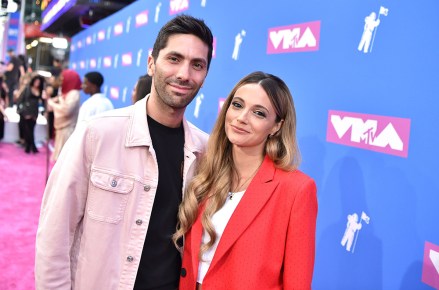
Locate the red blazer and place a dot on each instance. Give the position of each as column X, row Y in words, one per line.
column 269, row 242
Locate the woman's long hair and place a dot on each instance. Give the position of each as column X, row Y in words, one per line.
column 211, row 184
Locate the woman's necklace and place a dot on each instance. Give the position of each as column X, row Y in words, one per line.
column 239, row 187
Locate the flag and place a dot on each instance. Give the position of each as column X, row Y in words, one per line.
column 384, row 11
column 365, row 218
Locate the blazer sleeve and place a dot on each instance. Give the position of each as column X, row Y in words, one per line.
column 300, row 244
column 62, row 211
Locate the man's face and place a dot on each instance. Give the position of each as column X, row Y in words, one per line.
column 87, row 87
column 179, row 70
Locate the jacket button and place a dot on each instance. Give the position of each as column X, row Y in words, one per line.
column 146, row 188
column 183, row 272
column 113, row 183
column 130, row 258
column 138, row 222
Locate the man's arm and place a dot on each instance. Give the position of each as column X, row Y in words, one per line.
column 62, row 211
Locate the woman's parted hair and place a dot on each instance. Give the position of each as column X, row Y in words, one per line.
column 211, row 184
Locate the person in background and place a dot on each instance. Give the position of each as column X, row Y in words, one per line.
column 65, row 108
column 249, row 215
column 30, row 100
column 3, row 116
column 23, row 84
column 13, row 72
column 141, row 88
column 98, row 102
column 52, row 89
column 110, row 205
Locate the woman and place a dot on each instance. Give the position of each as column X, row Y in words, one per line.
column 29, row 102
column 65, row 109
column 249, row 213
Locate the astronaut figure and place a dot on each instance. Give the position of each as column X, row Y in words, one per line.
column 351, row 227
column 370, row 23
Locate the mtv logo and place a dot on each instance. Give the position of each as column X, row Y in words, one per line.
column 72, row 48
column 93, row 63
column 127, row 59
column 107, row 61
column 177, row 6
column 383, row 134
column 88, row 40
column 82, row 64
column 214, row 48
column 114, row 93
column 101, row 35
column 74, row 65
column 118, row 28
column 142, row 18
column 294, row 38
column 220, row 104
column 79, row 44
column 430, row 268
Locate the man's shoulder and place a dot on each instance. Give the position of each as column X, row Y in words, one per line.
column 111, row 118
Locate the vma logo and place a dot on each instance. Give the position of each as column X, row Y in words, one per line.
column 177, row 6
column 430, row 268
column 294, row 38
column 383, row 134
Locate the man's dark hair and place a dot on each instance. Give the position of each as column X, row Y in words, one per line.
column 184, row 24
column 95, row 77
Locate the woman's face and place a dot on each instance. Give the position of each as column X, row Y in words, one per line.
column 36, row 83
column 250, row 118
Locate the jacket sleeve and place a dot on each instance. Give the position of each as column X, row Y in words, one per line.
column 300, row 244
column 62, row 211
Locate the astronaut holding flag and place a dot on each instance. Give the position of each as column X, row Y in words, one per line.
column 352, row 229
column 371, row 23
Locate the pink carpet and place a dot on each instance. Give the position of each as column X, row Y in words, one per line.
column 22, row 181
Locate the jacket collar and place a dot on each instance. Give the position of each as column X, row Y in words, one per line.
column 257, row 194
column 138, row 130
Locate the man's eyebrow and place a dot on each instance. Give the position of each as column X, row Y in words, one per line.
column 197, row 59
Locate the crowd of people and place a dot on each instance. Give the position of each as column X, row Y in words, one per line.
column 56, row 97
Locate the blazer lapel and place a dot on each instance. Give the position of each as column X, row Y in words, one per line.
column 254, row 199
column 196, row 235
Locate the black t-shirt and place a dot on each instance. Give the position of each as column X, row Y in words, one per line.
column 160, row 264
column 13, row 76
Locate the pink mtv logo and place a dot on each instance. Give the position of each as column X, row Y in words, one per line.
column 88, row 40
column 142, row 18
column 74, row 65
column 79, row 44
column 383, row 134
column 127, row 59
column 101, row 35
column 82, row 64
column 214, row 48
column 93, row 63
column 72, row 47
column 177, row 6
column 220, row 103
column 114, row 93
column 107, row 61
column 430, row 268
column 294, row 38
column 118, row 28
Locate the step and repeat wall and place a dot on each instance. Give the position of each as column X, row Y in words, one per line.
column 364, row 77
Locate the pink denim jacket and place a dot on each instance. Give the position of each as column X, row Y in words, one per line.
column 98, row 202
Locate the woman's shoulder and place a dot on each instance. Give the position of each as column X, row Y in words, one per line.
column 294, row 178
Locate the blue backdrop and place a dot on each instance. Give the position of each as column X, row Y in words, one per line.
column 364, row 77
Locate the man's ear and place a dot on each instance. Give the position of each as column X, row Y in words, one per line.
column 151, row 65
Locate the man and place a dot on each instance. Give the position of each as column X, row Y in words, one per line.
column 13, row 72
column 110, row 206
column 98, row 102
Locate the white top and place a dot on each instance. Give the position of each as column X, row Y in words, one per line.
column 96, row 104
column 219, row 221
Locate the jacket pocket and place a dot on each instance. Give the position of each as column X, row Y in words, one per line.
column 108, row 197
